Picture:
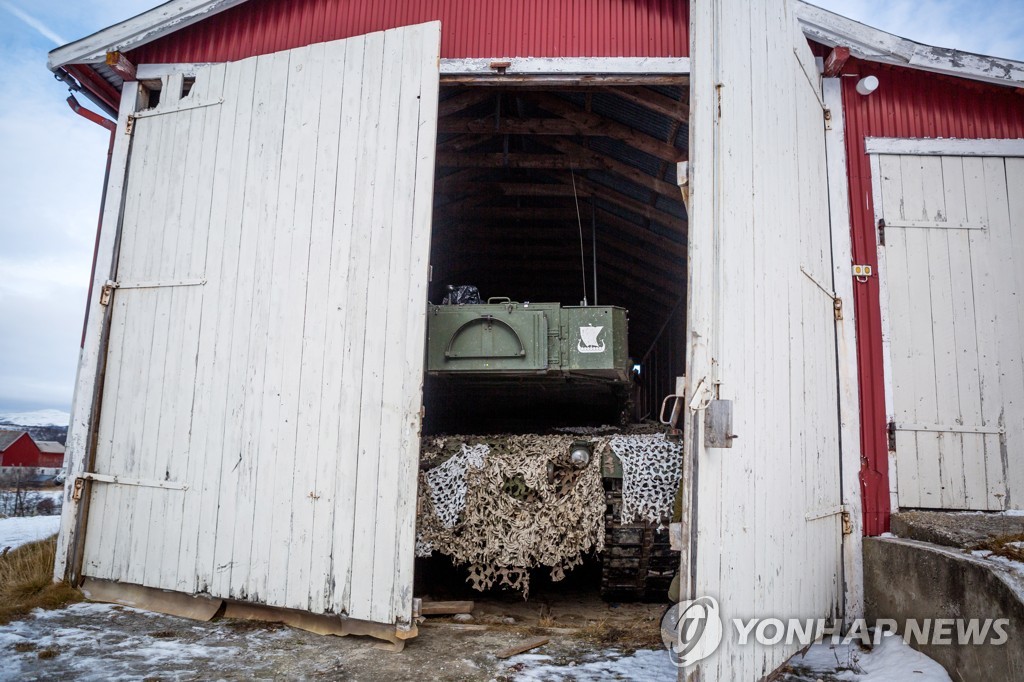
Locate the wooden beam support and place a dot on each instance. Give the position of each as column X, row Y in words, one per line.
column 549, row 82
column 447, row 159
column 462, row 101
column 493, row 214
column 586, row 125
column 609, row 194
column 461, row 143
column 836, row 60
column 120, row 65
column 654, row 101
column 635, row 255
column 572, row 156
column 606, row 127
column 615, row 166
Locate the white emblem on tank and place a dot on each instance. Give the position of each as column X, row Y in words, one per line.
column 588, row 340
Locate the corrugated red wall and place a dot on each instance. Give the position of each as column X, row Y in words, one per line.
column 470, row 28
column 908, row 103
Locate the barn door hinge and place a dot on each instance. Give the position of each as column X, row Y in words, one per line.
column 881, row 231
column 129, row 125
column 828, row 119
column 837, row 303
column 847, row 523
column 891, row 431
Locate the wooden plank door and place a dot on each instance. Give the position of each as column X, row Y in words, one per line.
column 954, row 255
column 260, row 410
column 768, row 510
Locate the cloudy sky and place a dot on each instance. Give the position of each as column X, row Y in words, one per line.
column 51, row 168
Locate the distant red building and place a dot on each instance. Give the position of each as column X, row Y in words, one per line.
column 17, row 449
column 51, row 454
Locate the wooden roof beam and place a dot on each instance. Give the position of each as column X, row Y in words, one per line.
column 654, row 101
column 606, row 127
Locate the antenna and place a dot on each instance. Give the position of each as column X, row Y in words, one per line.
column 579, row 222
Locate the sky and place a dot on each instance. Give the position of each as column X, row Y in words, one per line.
column 52, row 161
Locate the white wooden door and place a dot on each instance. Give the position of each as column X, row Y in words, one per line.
column 954, row 273
column 261, row 400
column 768, row 510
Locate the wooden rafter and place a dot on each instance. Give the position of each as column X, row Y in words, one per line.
column 606, row 220
column 572, row 156
column 656, row 102
column 612, row 196
column 462, row 101
column 461, row 143
column 568, row 251
column 586, row 125
column 610, row 128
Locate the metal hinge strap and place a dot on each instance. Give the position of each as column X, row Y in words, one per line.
column 108, row 478
column 108, row 288
column 947, row 428
column 837, row 303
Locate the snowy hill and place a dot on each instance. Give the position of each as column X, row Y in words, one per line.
column 36, row 418
column 41, row 424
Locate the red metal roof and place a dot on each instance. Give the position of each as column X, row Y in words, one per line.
column 908, row 103
column 513, row 28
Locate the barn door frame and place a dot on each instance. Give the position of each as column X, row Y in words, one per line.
column 85, row 407
column 846, row 348
column 875, row 147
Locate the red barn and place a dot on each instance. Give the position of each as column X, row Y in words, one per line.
column 818, row 220
column 17, row 449
column 51, row 454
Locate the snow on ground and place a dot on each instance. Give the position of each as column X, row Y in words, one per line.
column 36, row 418
column 893, row 660
column 86, row 645
column 642, row 666
column 18, row 531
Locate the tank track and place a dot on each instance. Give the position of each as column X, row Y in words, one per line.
column 637, row 564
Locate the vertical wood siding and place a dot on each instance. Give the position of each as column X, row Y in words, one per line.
column 516, row 28
column 954, row 259
column 908, row 103
column 280, row 399
column 768, row 538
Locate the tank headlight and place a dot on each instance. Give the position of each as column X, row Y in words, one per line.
column 579, row 454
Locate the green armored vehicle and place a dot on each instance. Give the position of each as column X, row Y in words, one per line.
column 502, row 338
column 529, row 461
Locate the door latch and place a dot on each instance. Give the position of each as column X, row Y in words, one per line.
column 107, row 292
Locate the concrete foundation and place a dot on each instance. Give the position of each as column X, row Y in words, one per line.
column 908, row 579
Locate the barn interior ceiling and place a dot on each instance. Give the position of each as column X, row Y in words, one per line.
column 513, row 165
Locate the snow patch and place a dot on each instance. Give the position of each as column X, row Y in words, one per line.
column 642, row 666
column 893, row 660
column 18, row 531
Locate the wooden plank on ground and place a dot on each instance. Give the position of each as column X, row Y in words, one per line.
column 445, row 608
column 523, row 647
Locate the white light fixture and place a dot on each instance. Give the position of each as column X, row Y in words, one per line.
column 579, row 455
column 867, row 85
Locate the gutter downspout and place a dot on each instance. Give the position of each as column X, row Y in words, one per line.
column 90, row 115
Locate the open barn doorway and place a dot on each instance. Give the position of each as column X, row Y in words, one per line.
column 557, row 197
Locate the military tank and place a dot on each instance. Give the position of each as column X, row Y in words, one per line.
column 509, row 498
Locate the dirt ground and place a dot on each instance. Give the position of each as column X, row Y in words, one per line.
column 102, row 641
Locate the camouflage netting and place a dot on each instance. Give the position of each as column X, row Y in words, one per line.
column 523, row 506
column 652, row 468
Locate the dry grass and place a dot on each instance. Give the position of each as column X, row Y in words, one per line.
column 623, row 635
column 1001, row 546
column 26, row 581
